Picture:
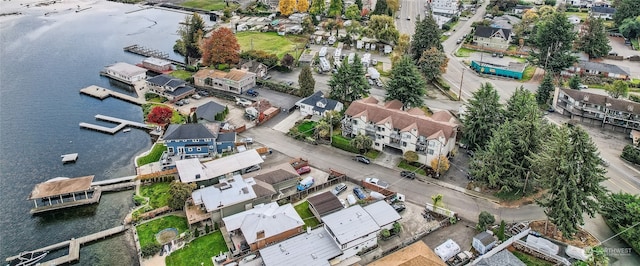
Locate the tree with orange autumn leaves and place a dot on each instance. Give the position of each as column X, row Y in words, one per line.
column 303, row 6
column 286, row 7
column 160, row 115
column 221, row 48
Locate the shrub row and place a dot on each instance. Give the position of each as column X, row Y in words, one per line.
column 343, row 143
column 279, row 87
column 630, row 153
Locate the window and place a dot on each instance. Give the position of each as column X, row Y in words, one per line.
column 199, row 149
column 344, row 246
column 355, row 122
column 404, row 144
column 196, row 140
column 432, row 143
column 430, row 152
column 189, row 149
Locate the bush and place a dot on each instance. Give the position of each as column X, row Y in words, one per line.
column 385, row 233
column 343, row 143
column 630, row 153
column 485, row 219
column 279, row 87
column 634, row 98
column 150, row 250
column 207, row 229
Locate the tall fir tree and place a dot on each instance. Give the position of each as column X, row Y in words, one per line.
column 593, row 40
column 522, row 105
column 545, row 89
column 483, row 115
column 349, row 83
column 306, row 81
column 427, row 35
column 569, row 164
column 574, row 82
column 553, row 39
column 494, row 165
column 381, row 8
column 191, row 33
column 335, row 8
column 359, row 4
column 406, row 84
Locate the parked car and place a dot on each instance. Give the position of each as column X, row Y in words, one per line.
column 398, row 207
column 247, row 140
column 252, row 93
column 267, row 77
column 359, row 193
column 339, row 189
column 459, row 41
column 196, row 96
column 203, row 93
column 408, row 174
column 303, row 170
column 243, row 102
column 501, row 55
column 582, row 87
column 377, row 182
column 362, row 159
column 494, row 55
column 180, row 103
column 305, row 183
column 289, row 83
column 252, row 168
column 186, row 101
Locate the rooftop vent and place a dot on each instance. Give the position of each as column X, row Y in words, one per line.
column 197, row 176
column 313, row 255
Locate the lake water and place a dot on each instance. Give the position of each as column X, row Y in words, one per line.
column 44, row 62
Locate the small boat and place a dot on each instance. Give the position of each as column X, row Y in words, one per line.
column 28, row 258
column 126, row 130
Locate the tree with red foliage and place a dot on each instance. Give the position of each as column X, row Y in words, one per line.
column 160, row 115
column 221, row 48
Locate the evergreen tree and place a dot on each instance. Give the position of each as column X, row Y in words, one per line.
column 427, row 35
column 432, row 63
column 306, row 82
column 545, row 89
column 626, row 9
column 335, row 8
column 359, row 4
column 194, row 118
column 406, row 84
column 381, row 8
column 574, row 82
column 483, row 115
column 570, row 166
column 553, row 39
column 191, row 32
column 317, row 7
column 594, row 40
column 495, row 164
column 630, row 27
column 349, row 83
column 522, row 105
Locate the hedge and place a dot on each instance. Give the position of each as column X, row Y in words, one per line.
column 343, row 143
column 631, row 154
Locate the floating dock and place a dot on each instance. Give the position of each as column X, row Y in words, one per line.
column 122, row 123
column 102, row 93
column 147, row 52
column 74, row 246
column 69, row 158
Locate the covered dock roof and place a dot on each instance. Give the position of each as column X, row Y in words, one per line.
column 61, row 186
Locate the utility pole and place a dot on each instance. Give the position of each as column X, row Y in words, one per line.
column 461, row 79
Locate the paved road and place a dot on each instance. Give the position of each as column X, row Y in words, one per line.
column 410, row 9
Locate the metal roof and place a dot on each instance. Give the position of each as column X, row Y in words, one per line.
column 228, row 192
column 382, row 213
column 325, row 203
column 126, row 69
column 187, row 169
column 314, row 248
column 350, row 224
column 270, row 218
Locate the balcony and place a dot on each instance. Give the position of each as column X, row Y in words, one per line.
column 370, row 128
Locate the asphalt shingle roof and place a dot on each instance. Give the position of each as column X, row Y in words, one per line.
column 488, row 32
column 188, row 131
column 319, row 97
column 325, row 203
column 208, row 111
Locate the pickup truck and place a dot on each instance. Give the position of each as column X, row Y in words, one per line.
column 377, row 182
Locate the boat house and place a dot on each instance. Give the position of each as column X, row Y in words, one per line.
column 124, row 72
column 63, row 192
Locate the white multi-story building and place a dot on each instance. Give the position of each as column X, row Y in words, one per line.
column 392, row 128
column 447, row 8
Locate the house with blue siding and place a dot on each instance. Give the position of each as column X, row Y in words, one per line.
column 190, row 141
column 226, row 142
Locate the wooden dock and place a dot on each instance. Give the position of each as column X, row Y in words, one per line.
column 118, row 186
column 147, row 52
column 102, row 93
column 122, row 123
column 74, row 246
column 115, row 180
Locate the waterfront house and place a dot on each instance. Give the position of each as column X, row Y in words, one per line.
column 597, row 109
column 232, row 194
column 225, row 142
column 492, row 37
column 172, row 88
column 312, row 248
column 124, row 72
column 235, row 81
column 209, row 173
column 208, row 111
column 317, row 104
column 391, row 128
column 263, row 225
column 417, row 253
column 585, row 67
column 157, row 65
column 189, row 141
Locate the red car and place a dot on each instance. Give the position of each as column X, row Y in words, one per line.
column 303, row 170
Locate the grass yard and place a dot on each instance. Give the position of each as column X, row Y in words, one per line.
column 635, row 43
column 271, row 42
column 181, row 74
column 406, row 166
column 153, row 156
column 582, row 15
column 210, row 5
column 199, row 251
column 307, row 128
column 158, row 194
column 305, row 213
column 343, row 143
column 147, row 231
column 464, row 52
column 528, row 73
column 530, row 260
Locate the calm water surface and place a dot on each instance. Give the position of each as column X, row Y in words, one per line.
column 44, row 62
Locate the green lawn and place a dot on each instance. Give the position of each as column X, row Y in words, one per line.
column 307, row 128
column 343, row 143
column 153, row 156
column 406, row 166
column 303, row 210
column 147, row 231
column 528, row 73
column 207, row 4
column 271, row 42
column 181, row 74
column 635, row 43
column 373, row 154
column 199, row 251
column 464, row 52
column 158, row 194
column 531, row 260
column 582, row 15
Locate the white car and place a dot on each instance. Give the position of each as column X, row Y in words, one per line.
column 196, row 96
column 243, row 102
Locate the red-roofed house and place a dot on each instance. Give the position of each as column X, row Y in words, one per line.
column 392, row 128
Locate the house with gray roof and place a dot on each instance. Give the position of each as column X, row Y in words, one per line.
column 383, row 214
column 263, row 225
column 226, row 141
column 353, row 229
column 209, row 173
column 312, row 248
column 502, row 258
column 585, row 67
column 209, row 110
column 188, row 141
column 231, row 195
column 602, row 12
column 483, row 242
column 317, row 104
column 281, row 176
column 172, row 88
column 492, row 37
